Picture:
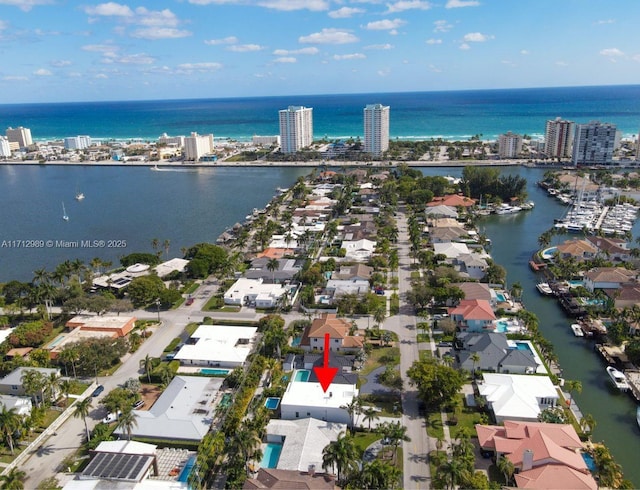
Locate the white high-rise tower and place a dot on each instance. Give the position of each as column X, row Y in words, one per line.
column 593, row 143
column 296, row 128
column 376, row 129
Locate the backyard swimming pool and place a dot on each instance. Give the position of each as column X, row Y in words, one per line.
column 271, row 455
column 302, row 375
column 186, row 471
column 214, row 372
column 272, row 403
column 501, row 297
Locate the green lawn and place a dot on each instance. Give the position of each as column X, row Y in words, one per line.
column 375, row 356
column 425, row 354
column 363, row 440
column 423, row 337
column 434, row 425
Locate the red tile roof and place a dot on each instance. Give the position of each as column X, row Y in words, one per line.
column 474, row 309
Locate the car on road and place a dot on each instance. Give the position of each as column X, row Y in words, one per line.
column 445, row 344
column 438, row 316
column 189, row 301
column 99, row 389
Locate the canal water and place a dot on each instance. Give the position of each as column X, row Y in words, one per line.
column 514, row 239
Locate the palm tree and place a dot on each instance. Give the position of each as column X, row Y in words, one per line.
column 506, row 467
column 9, row 423
column 14, row 480
column 127, row 422
column 475, row 358
column 378, row 474
column 165, row 245
column 572, row 385
column 147, row 365
column 588, row 423
column 340, row 454
column 454, row 471
column 65, row 386
column 370, row 414
column 351, row 408
column 273, row 265
column 83, row 407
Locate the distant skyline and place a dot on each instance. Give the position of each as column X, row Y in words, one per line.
column 61, row 51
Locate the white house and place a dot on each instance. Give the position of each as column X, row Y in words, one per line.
column 253, row 292
column 359, row 250
column 21, row 404
column 218, row 345
column 452, row 250
column 306, row 399
column 11, row 384
column 517, row 396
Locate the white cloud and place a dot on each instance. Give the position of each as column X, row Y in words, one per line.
column 164, row 18
column 442, row 26
column 465, row 46
column 110, row 9
column 612, row 53
column 454, row 4
column 285, row 59
column 3, row 25
column 524, row 52
column 386, row 24
column 329, row 36
column 60, row 63
column 352, row 56
column 287, row 52
column 100, row 48
column 135, row 59
column 345, row 12
column 403, row 5
column 42, row 72
column 224, row 40
column 434, row 69
column 379, row 46
column 287, row 5
column 434, row 41
column 101, row 76
column 154, row 33
column 245, row 48
column 383, row 73
column 606, row 21
column 15, row 78
column 562, row 63
column 204, row 67
column 25, row 5
column 476, row 37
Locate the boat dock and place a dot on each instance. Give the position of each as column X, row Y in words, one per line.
column 633, row 378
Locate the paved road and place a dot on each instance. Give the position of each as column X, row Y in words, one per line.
column 416, row 467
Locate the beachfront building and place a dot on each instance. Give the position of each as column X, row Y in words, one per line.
column 376, row 129
column 20, row 136
column 594, row 143
column 558, row 138
column 197, row 146
column 5, row 148
column 509, row 145
column 172, row 141
column 296, row 128
column 265, row 140
column 77, row 142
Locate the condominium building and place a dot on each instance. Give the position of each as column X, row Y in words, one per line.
column 173, row 141
column 19, row 135
column 594, row 143
column 196, row 146
column 376, row 129
column 296, row 128
column 77, row 142
column 509, row 145
column 558, row 138
column 5, row 150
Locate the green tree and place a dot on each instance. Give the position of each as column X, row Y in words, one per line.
column 437, row 384
column 273, row 265
column 144, row 290
column 340, row 454
column 370, row 415
column 147, row 364
column 506, row 467
column 9, row 424
column 127, row 422
column 14, row 480
column 82, row 410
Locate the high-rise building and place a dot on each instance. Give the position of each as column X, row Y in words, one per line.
column 376, row 129
column 558, row 138
column 5, row 150
column 593, row 143
column 177, row 141
column 20, row 135
column 509, row 145
column 77, row 142
column 196, row 146
column 296, row 128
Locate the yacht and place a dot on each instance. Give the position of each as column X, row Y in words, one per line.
column 507, row 209
column 79, row 196
column 617, row 378
column 544, row 288
column 577, row 330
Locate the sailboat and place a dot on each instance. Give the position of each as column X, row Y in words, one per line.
column 65, row 216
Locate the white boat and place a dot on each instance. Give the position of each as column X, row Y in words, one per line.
column 507, row 209
column 528, row 205
column 577, row 330
column 617, row 378
column 65, row 216
column 79, row 196
column 544, row 288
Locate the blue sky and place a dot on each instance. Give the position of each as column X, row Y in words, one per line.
column 76, row 50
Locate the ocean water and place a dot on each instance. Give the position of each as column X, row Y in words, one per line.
column 416, row 115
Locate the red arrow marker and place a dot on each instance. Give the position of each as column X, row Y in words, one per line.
column 325, row 373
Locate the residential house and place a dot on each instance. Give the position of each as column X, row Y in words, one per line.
column 446, row 234
column 253, row 292
column 218, row 346
column 615, row 249
column 451, row 250
column 495, row 354
column 544, row 455
column 303, row 441
column 579, row 249
column 271, row 478
column 608, row 278
column 338, row 330
column 441, row 211
column 285, row 272
column 452, row 200
column 477, row 290
column 21, row 405
column 473, row 315
column 359, row 250
column 516, row 396
column 12, row 384
column 474, row 265
column 303, row 399
column 340, row 287
column 627, row 296
column 353, row 272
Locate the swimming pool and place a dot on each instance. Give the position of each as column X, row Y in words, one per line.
column 272, row 403
column 501, row 326
column 214, row 372
column 271, row 455
column 58, row 339
column 296, row 341
column 549, row 253
column 589, row 461
column 302, row 375
column 186, row 471
column 501, row 297
column 523, row 346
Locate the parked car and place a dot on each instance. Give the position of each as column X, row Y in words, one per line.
column 99, row 389
column 111, row 417
column 439, row 316
column 445, row 344
column 138, row 404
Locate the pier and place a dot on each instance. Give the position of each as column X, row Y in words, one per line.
column 633, row 378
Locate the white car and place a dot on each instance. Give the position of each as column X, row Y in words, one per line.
column 111, row 417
